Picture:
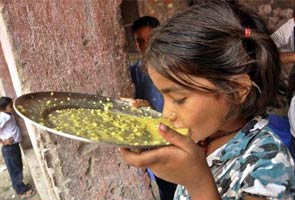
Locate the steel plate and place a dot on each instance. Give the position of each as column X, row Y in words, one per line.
column 38, row 108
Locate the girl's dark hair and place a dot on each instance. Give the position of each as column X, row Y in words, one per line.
column 209, row 41
column 4, row 102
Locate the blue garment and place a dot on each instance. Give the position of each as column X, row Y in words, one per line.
column 280, row 125
column 13, row 161
column 144, row 87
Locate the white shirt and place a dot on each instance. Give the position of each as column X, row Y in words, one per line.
column 9, row 128
column 283, row 37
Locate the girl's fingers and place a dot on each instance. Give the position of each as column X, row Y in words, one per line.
column 147, row 158
column 179, row 140
column 142, row 159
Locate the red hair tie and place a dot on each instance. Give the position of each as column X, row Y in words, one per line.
column 247, row 32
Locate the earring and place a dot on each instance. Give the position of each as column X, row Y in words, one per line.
column 172, row 115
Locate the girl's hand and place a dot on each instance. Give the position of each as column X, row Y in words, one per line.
column 183, row 163
column 136, row 102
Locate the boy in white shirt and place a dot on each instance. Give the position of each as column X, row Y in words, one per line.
column 10, row 137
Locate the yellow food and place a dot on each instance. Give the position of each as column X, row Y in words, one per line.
column 104, row 125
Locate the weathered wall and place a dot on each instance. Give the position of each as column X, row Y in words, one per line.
column 75, row 46
column 6, row 87
column 69, row 45
column 274, row 12
column 162, row 9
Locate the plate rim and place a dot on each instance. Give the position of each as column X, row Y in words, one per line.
column 73, row 136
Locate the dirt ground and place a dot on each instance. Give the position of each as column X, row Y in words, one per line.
column 6, row 190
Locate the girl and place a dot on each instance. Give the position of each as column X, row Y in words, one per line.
column 218, row 70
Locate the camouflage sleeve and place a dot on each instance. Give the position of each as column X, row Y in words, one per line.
column 268, row 170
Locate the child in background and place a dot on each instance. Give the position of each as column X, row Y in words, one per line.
column 146, row 94
column 10, row 137
column 217, row 69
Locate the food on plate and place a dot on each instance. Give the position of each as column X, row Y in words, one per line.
column 105, row 125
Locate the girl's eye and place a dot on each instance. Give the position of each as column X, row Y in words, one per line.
column 179, row 101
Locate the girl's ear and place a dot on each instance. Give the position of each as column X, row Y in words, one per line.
column 244, row 82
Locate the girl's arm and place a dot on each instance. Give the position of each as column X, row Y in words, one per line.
column 248, row 197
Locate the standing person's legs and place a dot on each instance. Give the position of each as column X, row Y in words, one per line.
column 13, row 161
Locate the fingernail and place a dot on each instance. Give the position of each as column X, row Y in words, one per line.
column 163, row 127
column 119, row 149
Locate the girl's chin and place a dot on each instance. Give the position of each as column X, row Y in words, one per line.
column 194, row 135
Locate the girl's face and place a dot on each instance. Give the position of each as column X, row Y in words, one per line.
column 203, row 113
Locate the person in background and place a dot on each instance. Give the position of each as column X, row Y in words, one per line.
column 280, row 123
column 218, row 74
column 146, row 94
column 10, row 137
